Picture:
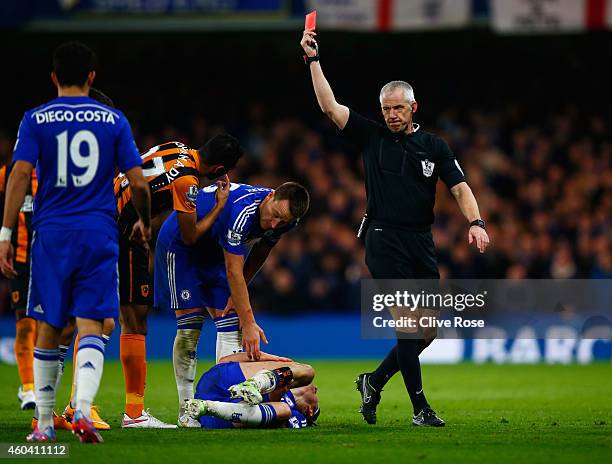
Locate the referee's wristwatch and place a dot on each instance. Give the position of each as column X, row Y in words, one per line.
column 479, row 223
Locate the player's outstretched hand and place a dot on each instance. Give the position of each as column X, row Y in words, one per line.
column 6, row 259
column 223, row 189
column 479, row 235
column 251, row 336
column 309, row 43
column 141, row 233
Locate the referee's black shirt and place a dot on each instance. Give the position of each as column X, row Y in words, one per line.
column 401, row 171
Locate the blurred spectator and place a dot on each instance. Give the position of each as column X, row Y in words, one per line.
column 544, row 188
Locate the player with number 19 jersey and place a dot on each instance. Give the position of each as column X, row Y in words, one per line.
column 75, row 144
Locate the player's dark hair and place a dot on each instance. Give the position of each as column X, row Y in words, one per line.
column 72, row 63
column 222, row 149
column 299, row 199
column 101, row 97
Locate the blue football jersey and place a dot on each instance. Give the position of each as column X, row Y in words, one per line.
column 75, row 144
column 298, row 419
column 237, row 224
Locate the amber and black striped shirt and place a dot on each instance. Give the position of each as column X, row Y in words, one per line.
column 172, row 171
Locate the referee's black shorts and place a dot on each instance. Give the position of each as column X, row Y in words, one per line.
column 395, row 253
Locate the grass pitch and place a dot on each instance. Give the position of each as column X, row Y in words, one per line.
column 494, row 414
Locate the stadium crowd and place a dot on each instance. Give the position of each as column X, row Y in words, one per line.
column 544, row 187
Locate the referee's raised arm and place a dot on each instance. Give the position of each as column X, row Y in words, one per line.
column 338, row 113
column 402, row 164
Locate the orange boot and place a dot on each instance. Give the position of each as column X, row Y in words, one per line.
column 59, row 423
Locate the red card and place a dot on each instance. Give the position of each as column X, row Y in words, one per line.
column 311, row 20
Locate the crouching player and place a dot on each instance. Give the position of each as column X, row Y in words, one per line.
column 278, row 393
column 192, row 279
column 173, row 172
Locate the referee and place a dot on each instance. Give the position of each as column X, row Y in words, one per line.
column 402, row 165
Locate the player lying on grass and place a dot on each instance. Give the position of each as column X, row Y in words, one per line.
column 272, row 392
column 173, row 172
column 192, row 279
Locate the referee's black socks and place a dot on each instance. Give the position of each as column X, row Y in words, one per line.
column 408, row 361
column 405, row 357
column 387, row 369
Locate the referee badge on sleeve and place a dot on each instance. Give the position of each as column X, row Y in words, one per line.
column 428, row 167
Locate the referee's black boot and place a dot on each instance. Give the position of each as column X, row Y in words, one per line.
column 427, row 417
column 370, row 397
